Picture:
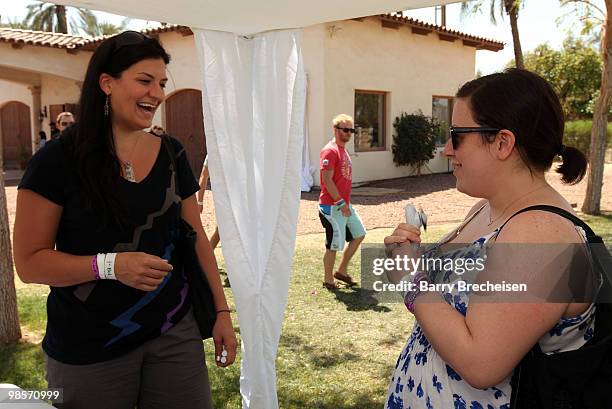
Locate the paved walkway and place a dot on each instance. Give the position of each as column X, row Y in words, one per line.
column 384, row 201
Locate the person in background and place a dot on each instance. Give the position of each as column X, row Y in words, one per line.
column 54, row 131
column 42, row 139
column 64, row 120
column 337, row 215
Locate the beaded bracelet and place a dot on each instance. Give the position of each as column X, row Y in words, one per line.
column 412, row 295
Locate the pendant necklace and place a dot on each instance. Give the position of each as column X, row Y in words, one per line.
column 128, row 169
column 451, row 236
column 491, row 221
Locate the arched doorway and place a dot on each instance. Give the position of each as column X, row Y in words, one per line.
column 16, row 134
column 185, row 121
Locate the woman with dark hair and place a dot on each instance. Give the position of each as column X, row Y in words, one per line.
column 507, row 128
column 97, row 220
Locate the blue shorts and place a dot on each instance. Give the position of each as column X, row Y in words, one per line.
column 338, row 227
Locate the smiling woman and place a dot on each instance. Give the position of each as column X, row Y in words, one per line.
column 98, row 218
column 472, row 331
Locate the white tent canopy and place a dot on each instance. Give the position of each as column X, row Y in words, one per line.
column 254, row 97
column 250, row 16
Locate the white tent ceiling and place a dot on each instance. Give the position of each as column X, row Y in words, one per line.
column 249, row 16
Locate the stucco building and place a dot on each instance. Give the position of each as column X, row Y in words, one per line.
column 373, row 68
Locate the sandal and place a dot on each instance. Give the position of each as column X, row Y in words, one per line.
column 331, row 286
column 345, row 278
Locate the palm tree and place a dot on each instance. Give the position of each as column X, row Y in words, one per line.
column 53, row 17
column 15, row 24
column 104, row 28
column 510, row 7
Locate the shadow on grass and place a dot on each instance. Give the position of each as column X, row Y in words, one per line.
column 299, row 346
column 360, row 299
column 23, row 364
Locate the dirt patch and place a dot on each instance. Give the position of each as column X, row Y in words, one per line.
column 435, row 193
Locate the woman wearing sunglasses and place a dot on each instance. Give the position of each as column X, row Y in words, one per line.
column 97, row 221
column 507, row 129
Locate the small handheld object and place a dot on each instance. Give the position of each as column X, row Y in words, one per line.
column 415, row 217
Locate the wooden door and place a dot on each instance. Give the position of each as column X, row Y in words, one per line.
column 56, row 109
column 16, row 133
column 185, row 121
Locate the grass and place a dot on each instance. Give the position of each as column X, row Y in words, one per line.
column 337, row 350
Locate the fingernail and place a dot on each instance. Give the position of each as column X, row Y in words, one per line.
column 224, row 353
column 223, row 359
column 218, row 358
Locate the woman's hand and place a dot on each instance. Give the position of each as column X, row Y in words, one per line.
column 224, row 339
column 141, row 270
column 404, row 233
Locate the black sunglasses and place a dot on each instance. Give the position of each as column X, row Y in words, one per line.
column 349, row 130
column 128, row 38
column 455, row 131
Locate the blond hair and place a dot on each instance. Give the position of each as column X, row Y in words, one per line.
column 342, row 118
column 63, row 114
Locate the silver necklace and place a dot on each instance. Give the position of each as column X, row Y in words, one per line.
column 128, row 168
column 469, row 219
column 511, row 203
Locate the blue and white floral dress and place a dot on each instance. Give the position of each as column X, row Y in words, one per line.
column 422, row 379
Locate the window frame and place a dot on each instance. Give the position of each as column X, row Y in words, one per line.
column 451, row 103
column 384, row 120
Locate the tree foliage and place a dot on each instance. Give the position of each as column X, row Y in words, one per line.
column 14, row 24
column 498, row 8
column 574, row 72
column 54, row 18
column 104, row 28
column 592, row 15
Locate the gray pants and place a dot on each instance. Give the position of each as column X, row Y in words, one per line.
column 166, row 373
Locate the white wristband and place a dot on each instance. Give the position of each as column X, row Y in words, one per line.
column 109, row 266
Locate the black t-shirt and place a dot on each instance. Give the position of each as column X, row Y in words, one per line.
column 103, row 319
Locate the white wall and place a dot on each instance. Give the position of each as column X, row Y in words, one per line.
column 314, row 61
column 411, row 68
column 11, row 91
column 45, row 60
column 183, row 70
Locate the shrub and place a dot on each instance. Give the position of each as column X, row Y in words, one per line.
column 578, row 135
column 414, row 140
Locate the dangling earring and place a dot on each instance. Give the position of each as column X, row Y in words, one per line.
column 106, row 107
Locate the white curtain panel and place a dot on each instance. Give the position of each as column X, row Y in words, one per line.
column 254, row 97
column 307, row 168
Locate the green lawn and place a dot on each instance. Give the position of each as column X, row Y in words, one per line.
column 337, row 350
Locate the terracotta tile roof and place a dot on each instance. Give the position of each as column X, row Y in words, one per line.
column 445, row 34
column 92, row 43
column 18, row 38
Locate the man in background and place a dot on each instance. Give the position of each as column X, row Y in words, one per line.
column 340, row 220
column 64, row 120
